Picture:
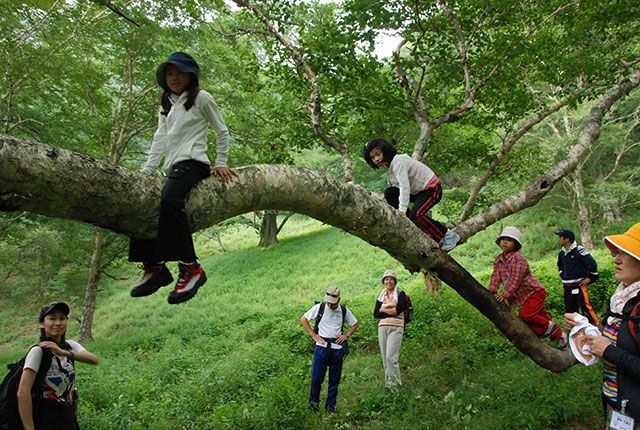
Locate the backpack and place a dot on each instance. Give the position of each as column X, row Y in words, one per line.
column 408, row 311
column 321, row 313
column 9, row 414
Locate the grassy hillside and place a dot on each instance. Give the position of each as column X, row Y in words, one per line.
column 237, row 357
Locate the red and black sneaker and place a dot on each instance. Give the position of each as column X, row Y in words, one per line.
column 191, row 278
column 155, row 277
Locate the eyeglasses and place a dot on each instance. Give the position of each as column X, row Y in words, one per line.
column 618, row 251
column 333, row 295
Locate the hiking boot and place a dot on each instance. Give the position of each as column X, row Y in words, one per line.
column 155, row 277
column 191, row 278
column 563, row 342
column 450, row 240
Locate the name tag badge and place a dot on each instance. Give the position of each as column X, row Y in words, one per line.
column 576, row 291
column 620, row 421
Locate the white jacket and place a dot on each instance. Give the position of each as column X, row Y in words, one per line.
column 182, row 134
column 410, row 176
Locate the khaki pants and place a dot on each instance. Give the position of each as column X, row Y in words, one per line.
column 390, row 340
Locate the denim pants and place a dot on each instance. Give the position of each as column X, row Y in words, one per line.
column 173, row 241
column 323, row 358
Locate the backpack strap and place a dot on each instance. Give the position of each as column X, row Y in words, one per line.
column 343, row 308
column 319, row 317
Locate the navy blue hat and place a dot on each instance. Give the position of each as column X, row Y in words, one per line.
column 183, row 61
column 567, row 233
column 51, row 308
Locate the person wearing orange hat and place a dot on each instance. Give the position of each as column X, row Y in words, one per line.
column 619, row 344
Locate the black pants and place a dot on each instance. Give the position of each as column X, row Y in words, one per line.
column 576, row 299
column 422, row 202
column 54, row 415
column 173, row 241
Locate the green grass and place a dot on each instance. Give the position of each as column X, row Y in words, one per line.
column 237, row 357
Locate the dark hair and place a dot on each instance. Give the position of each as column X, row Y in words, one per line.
column 193, row 88
column 388, row 151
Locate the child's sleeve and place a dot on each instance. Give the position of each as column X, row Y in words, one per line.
column 518, row 268
column 157, row 147
column 402, row 175
column 214, row 118
column 494, row 283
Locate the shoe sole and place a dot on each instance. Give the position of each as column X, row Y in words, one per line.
column 174, row 299
column 152, row 290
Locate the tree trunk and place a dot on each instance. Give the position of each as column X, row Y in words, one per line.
column 583, row 210
column 93, row 280
column 268, row 229
column 432, row 284
column 59, row 183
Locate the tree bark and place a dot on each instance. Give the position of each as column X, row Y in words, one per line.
column 583, row 210
column 268, row 229
column 91, row 292
column 59, row 183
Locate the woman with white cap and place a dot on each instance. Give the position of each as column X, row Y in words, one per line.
column 522, row 289
column 390, row 307
column 47, row 394
column 619, row 345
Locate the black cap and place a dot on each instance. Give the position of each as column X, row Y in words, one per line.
column 183, row 61
column 567, row 233
column 52, row 307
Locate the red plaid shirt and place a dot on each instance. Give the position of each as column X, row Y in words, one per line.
column 512, row 271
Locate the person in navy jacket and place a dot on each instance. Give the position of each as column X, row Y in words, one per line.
column 577, row 270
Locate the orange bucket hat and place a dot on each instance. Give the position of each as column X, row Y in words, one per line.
column 628, row 242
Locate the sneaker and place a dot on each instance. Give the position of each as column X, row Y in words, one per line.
column 450, row 240
column 563, row 342
column 155, row 277
column 551, row 328
column 191, row 278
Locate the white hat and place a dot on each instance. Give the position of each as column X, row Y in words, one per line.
column 512, row 233
column 332, row 295
column 388, row 273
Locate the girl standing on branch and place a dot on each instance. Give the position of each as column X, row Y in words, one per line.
column 186, row 114
column 411, row 181
column 53, row 406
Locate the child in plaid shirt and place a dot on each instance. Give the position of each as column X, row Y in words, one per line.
column 521, row 288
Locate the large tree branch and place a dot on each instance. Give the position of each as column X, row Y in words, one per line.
column 506, row 147
column 60, row 183
column 540, row 186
